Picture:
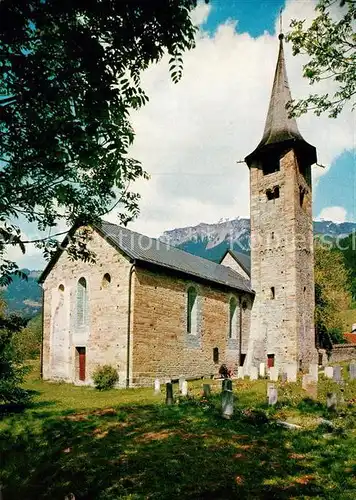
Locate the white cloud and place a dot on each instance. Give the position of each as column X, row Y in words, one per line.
column 190, row 135
column 335, row 214
column 200, row 14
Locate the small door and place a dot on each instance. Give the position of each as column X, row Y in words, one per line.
column 270, row 360
column 81, row 356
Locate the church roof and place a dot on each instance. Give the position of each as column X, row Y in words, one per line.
column 279, row 127
column 153, row 252
column 241, row 258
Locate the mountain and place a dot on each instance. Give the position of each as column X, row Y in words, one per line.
column 212, row 240
column 206, row 240
column 24, row 296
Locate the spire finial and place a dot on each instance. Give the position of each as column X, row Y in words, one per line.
column 281, row 36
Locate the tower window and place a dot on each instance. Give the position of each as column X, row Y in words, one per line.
column 271, row 165
column 216, row 355
column 272, row 194
column 273, row 293
column 302, row 194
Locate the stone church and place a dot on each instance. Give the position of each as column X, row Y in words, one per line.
column 153, row 311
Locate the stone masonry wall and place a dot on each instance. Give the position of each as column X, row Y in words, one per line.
column 161, row 345
column 105, row 337
column 282, row 265
column 343, row 352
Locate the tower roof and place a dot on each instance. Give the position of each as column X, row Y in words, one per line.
column 279, row 127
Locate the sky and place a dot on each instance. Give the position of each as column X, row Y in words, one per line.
column 190, row 135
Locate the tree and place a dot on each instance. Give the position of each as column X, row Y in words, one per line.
column 27, row 341
column 69, row 77
column 11, row 369
column 332, row 293
column 348, row 249
column 330, row 42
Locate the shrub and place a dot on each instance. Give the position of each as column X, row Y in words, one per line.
column 105, row 377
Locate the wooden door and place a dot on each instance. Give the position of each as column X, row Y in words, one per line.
column 81, row 353
column 270, row 360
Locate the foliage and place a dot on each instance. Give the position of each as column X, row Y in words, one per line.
column 11, row 370
column 105, row 377
column 336, row 336
column 331, row 290
column 27, row 341
column 69, row 78
column 330, row 43
column 348, row 248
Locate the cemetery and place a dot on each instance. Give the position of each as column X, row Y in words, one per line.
column 274, row 434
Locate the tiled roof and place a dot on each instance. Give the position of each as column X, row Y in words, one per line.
column 153, row 251
column 350, row 337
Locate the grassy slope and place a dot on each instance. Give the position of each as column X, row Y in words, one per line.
column 128, row 444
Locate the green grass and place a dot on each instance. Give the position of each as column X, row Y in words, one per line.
column 128, row 444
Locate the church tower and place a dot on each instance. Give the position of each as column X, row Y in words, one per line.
column 282, row 323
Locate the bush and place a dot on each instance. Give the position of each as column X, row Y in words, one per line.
column 336, row 336
column 105, row 377
column 27, row 341
column 12, row 371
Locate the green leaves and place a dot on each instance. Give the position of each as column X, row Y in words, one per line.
column 330, row 43
column 69, row 78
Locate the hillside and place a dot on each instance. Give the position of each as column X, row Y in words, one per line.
column 24, row 296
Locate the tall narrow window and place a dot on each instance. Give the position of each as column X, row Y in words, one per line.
column 192, row 312
column 82, row 303
column 233, row 318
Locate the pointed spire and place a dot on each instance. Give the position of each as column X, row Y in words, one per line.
column 279, row 128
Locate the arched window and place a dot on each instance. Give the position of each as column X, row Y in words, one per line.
column 106, row 280
column 192, row 311
column 233, row 318
column 82, row 303
column 61, row 288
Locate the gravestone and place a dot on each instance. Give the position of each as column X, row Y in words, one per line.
column 226, row 384
column 284, row 376
column 328, row 372
column 272, row 396
column 291, row 370
column 262, row 370
column 169, row 393
column 227, row 404
column 180, row 382
column 310, row 385
column 240, row 372
column 337, row 373
column 352, row 371
column 269, row 387
column 253, row 373
column 331, row 401
column 184, row 388
column 206, row 390
column 273, row 374
column 313, row 371
column 157, row 386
